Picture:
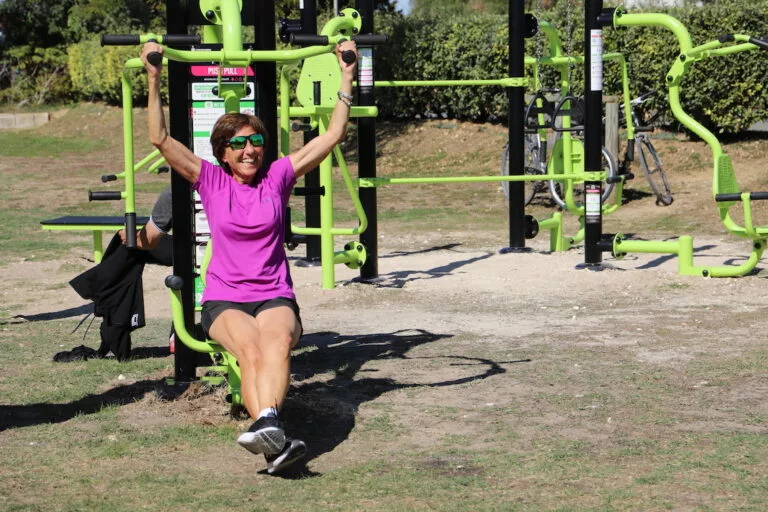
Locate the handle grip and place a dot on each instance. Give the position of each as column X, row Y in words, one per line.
column 370, row 39
column 155, row 58
column 120, row 39
column 301, row 127
column 753, row 196
column 308, row 39
column 174, row 282
column 316, row 40
column 631, row 150
column 108, row 177
column 181, row 39
column 134, row 39
column 348, row 56
column 104, row 196
column 130, row 230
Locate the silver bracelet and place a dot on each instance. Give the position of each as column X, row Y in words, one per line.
column 346, row 98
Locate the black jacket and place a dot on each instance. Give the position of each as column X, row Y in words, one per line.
column 115, row 287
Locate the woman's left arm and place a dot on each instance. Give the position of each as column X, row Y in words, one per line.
column 315, row 151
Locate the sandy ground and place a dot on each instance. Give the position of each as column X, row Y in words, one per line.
column 450, row 287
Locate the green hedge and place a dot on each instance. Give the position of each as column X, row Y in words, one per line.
column 34, row 76
column 726, row 93
column 96, row 72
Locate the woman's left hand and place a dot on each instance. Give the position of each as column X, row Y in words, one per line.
column 346, row 46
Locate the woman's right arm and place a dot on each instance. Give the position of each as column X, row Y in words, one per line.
column 178, row 156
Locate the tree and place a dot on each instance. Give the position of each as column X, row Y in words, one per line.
column 39, row 23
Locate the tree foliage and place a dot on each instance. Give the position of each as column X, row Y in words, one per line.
column 34, row 63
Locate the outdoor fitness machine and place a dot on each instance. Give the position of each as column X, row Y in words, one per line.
column 725, row 188
column 218, row 74
column 565, row 167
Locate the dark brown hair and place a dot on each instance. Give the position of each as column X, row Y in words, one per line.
column 226, row 127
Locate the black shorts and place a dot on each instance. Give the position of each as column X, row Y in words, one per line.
column 213, row 308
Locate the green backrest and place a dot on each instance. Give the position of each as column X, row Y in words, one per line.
column 724, row 180
column 324, row 69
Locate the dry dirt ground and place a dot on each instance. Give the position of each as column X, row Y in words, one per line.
column 450, row 309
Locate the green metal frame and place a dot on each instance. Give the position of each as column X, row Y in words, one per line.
column 724, row 179
column 228, row 32
column 223, row 361
column 153, row 161
column 323, row 69
column 567, row 162
column 233, row 55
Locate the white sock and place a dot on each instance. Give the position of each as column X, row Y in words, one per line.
column 269, row 411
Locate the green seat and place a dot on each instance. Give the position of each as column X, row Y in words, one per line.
column 223, row 360
column 728, row 194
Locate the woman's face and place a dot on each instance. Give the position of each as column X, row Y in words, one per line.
column 244, row 163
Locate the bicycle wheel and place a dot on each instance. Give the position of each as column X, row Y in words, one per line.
column 654, row 172
column 532, row 164
column 611, row 169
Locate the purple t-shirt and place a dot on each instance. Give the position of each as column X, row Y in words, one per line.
column 249, row 263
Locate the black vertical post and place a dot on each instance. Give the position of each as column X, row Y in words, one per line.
column 516, row 96
column 366, row 145
column 593, row 107
column 311, row 179
column 266, row 74
column 185, row 359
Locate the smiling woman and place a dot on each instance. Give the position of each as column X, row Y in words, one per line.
column 248, row 305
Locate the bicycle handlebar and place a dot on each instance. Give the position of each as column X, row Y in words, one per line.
column 533, row 110
column 643, row 98
column 155, row 58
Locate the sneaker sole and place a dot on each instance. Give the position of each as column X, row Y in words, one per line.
column 293, row 454
column 267, row 441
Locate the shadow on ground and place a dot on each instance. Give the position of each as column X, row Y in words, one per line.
column 400, row 278
column 323, row 413
column 15, row 416
column 85, row 309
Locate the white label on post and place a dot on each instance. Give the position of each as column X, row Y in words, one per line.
column 592, row 203
column 596, row 60
column 365, row 77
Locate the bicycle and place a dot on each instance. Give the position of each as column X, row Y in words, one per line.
column 649, row 158
column 541, row 115
column 538, row 115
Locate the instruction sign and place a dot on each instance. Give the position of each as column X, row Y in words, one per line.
column 205, row 108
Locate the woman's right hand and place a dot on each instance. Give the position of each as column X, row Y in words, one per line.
column 151, row 47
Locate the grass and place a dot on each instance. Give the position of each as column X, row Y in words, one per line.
column 23, row 143
column 93, row 454
column 627, row 411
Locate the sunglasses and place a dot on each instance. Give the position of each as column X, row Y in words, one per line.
column 239, row 142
